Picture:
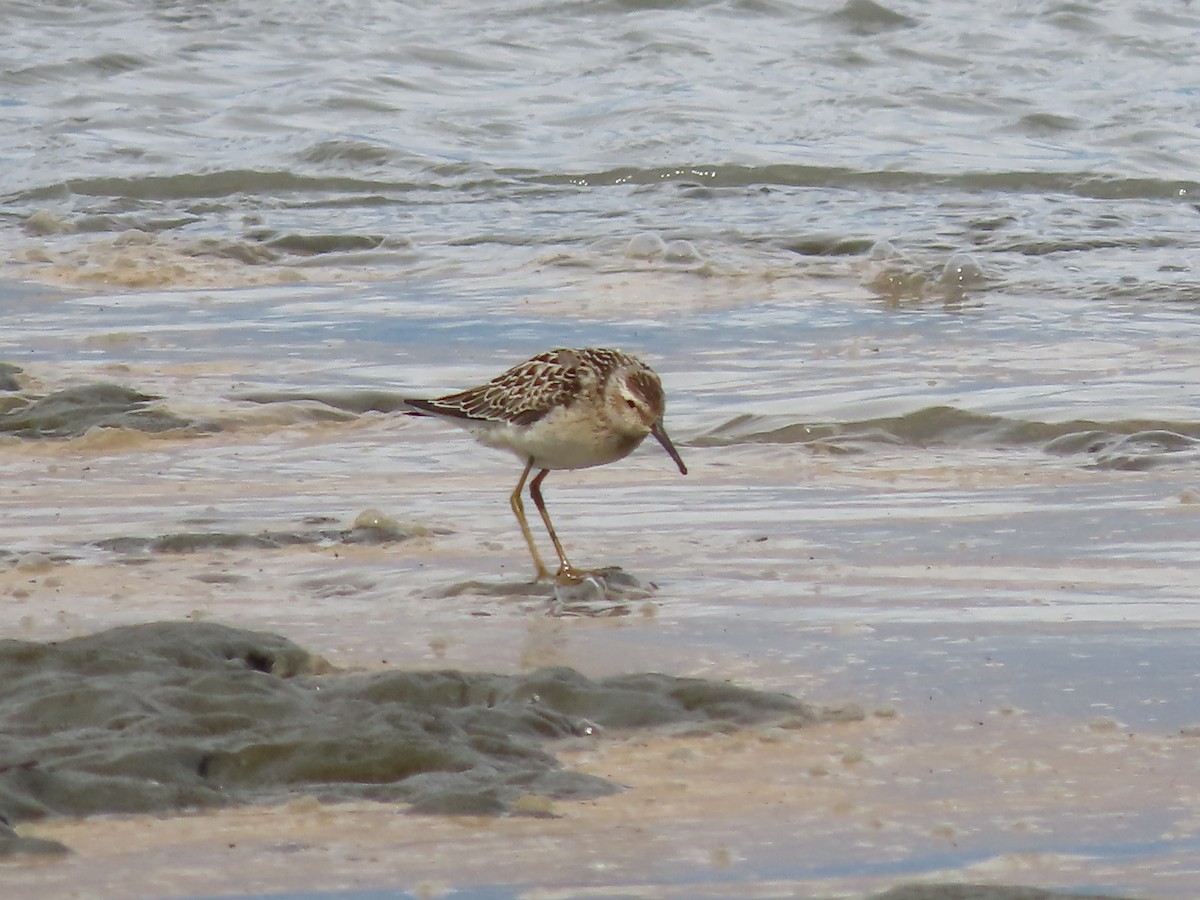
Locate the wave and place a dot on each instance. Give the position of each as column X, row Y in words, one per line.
column 1124, row 444
column 1080, row 184
column 421, row 175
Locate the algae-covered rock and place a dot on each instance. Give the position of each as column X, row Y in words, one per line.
column 174, row 715
column 73, row 411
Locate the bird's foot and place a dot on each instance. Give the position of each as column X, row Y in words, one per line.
column 568, row 575
column 597, row 592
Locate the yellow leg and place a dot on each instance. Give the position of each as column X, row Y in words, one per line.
column 518, row 508
column 565, row 570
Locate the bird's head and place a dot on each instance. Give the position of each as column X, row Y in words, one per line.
column 636, row 404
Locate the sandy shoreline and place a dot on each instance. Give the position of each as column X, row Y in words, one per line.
column 1017, row 627
column 838, row 809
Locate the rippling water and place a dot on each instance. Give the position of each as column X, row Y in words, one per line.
column 920, row 278
column 1053, row 144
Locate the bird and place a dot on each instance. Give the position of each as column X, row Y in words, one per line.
column 562, row 409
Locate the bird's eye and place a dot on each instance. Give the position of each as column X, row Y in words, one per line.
column 630, row 404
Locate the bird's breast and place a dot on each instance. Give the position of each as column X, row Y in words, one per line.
column 561, row 441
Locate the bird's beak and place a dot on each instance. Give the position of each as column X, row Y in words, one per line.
column 660, row 435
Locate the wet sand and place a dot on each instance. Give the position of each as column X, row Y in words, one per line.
column 991, row 751
column 756, row 814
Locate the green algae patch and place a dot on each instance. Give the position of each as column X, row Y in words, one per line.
column 172, row 716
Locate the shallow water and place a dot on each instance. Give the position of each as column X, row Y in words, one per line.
column 919, row 279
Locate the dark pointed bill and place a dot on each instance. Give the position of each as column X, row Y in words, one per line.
column 660, row 435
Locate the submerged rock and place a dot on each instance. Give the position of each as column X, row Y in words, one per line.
column 171, row 716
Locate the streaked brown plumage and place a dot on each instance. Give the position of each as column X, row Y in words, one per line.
column 563, row 409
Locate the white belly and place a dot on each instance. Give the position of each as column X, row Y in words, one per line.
column 560, row 442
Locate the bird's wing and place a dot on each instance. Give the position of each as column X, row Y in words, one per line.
column 521, row 396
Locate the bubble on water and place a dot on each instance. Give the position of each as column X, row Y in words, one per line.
column 374, row 518
column 645, row 246
column 962, row 271
column 681, row 252
column 892, row 275
column 896, row 283
column 883, row 250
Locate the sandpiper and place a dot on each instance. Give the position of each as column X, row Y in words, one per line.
column 563, row 409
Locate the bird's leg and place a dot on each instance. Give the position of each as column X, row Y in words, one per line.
column 566, row 572
column 518, row 508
